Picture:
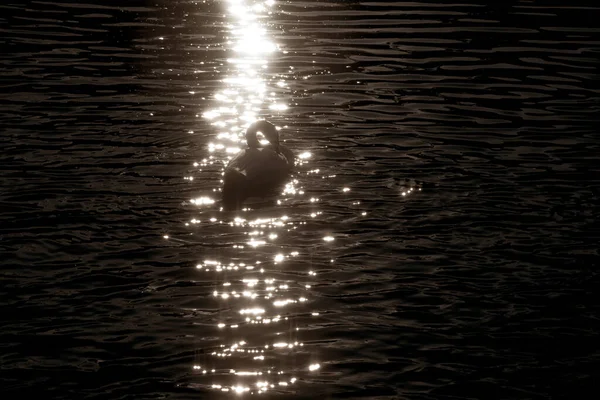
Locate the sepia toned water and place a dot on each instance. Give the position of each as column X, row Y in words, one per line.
column 437, row 240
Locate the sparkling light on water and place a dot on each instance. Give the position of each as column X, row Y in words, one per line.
column 255, row 303
column 246, row 90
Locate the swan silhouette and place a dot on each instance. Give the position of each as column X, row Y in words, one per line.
column 257, row 170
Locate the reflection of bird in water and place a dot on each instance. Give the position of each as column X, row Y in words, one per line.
column 257, row 170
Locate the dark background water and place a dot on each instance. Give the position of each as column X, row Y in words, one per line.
column 453, row 160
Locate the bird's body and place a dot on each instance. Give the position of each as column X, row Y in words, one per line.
column 257, row 170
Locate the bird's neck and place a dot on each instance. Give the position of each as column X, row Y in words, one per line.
column 252, row 140
column 268, row 131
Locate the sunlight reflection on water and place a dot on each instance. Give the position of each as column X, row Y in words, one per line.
column 258, row 304
column 246, row 89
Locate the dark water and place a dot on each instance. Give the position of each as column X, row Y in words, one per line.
column 439, row 239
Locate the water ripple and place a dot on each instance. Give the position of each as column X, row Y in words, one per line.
column 438, row 238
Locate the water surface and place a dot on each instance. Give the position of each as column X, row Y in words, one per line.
column 438, row 239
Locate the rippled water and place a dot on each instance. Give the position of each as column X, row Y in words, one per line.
column 438, row 239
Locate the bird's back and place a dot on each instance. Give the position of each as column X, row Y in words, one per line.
column 260, row 166
column 254, row 173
